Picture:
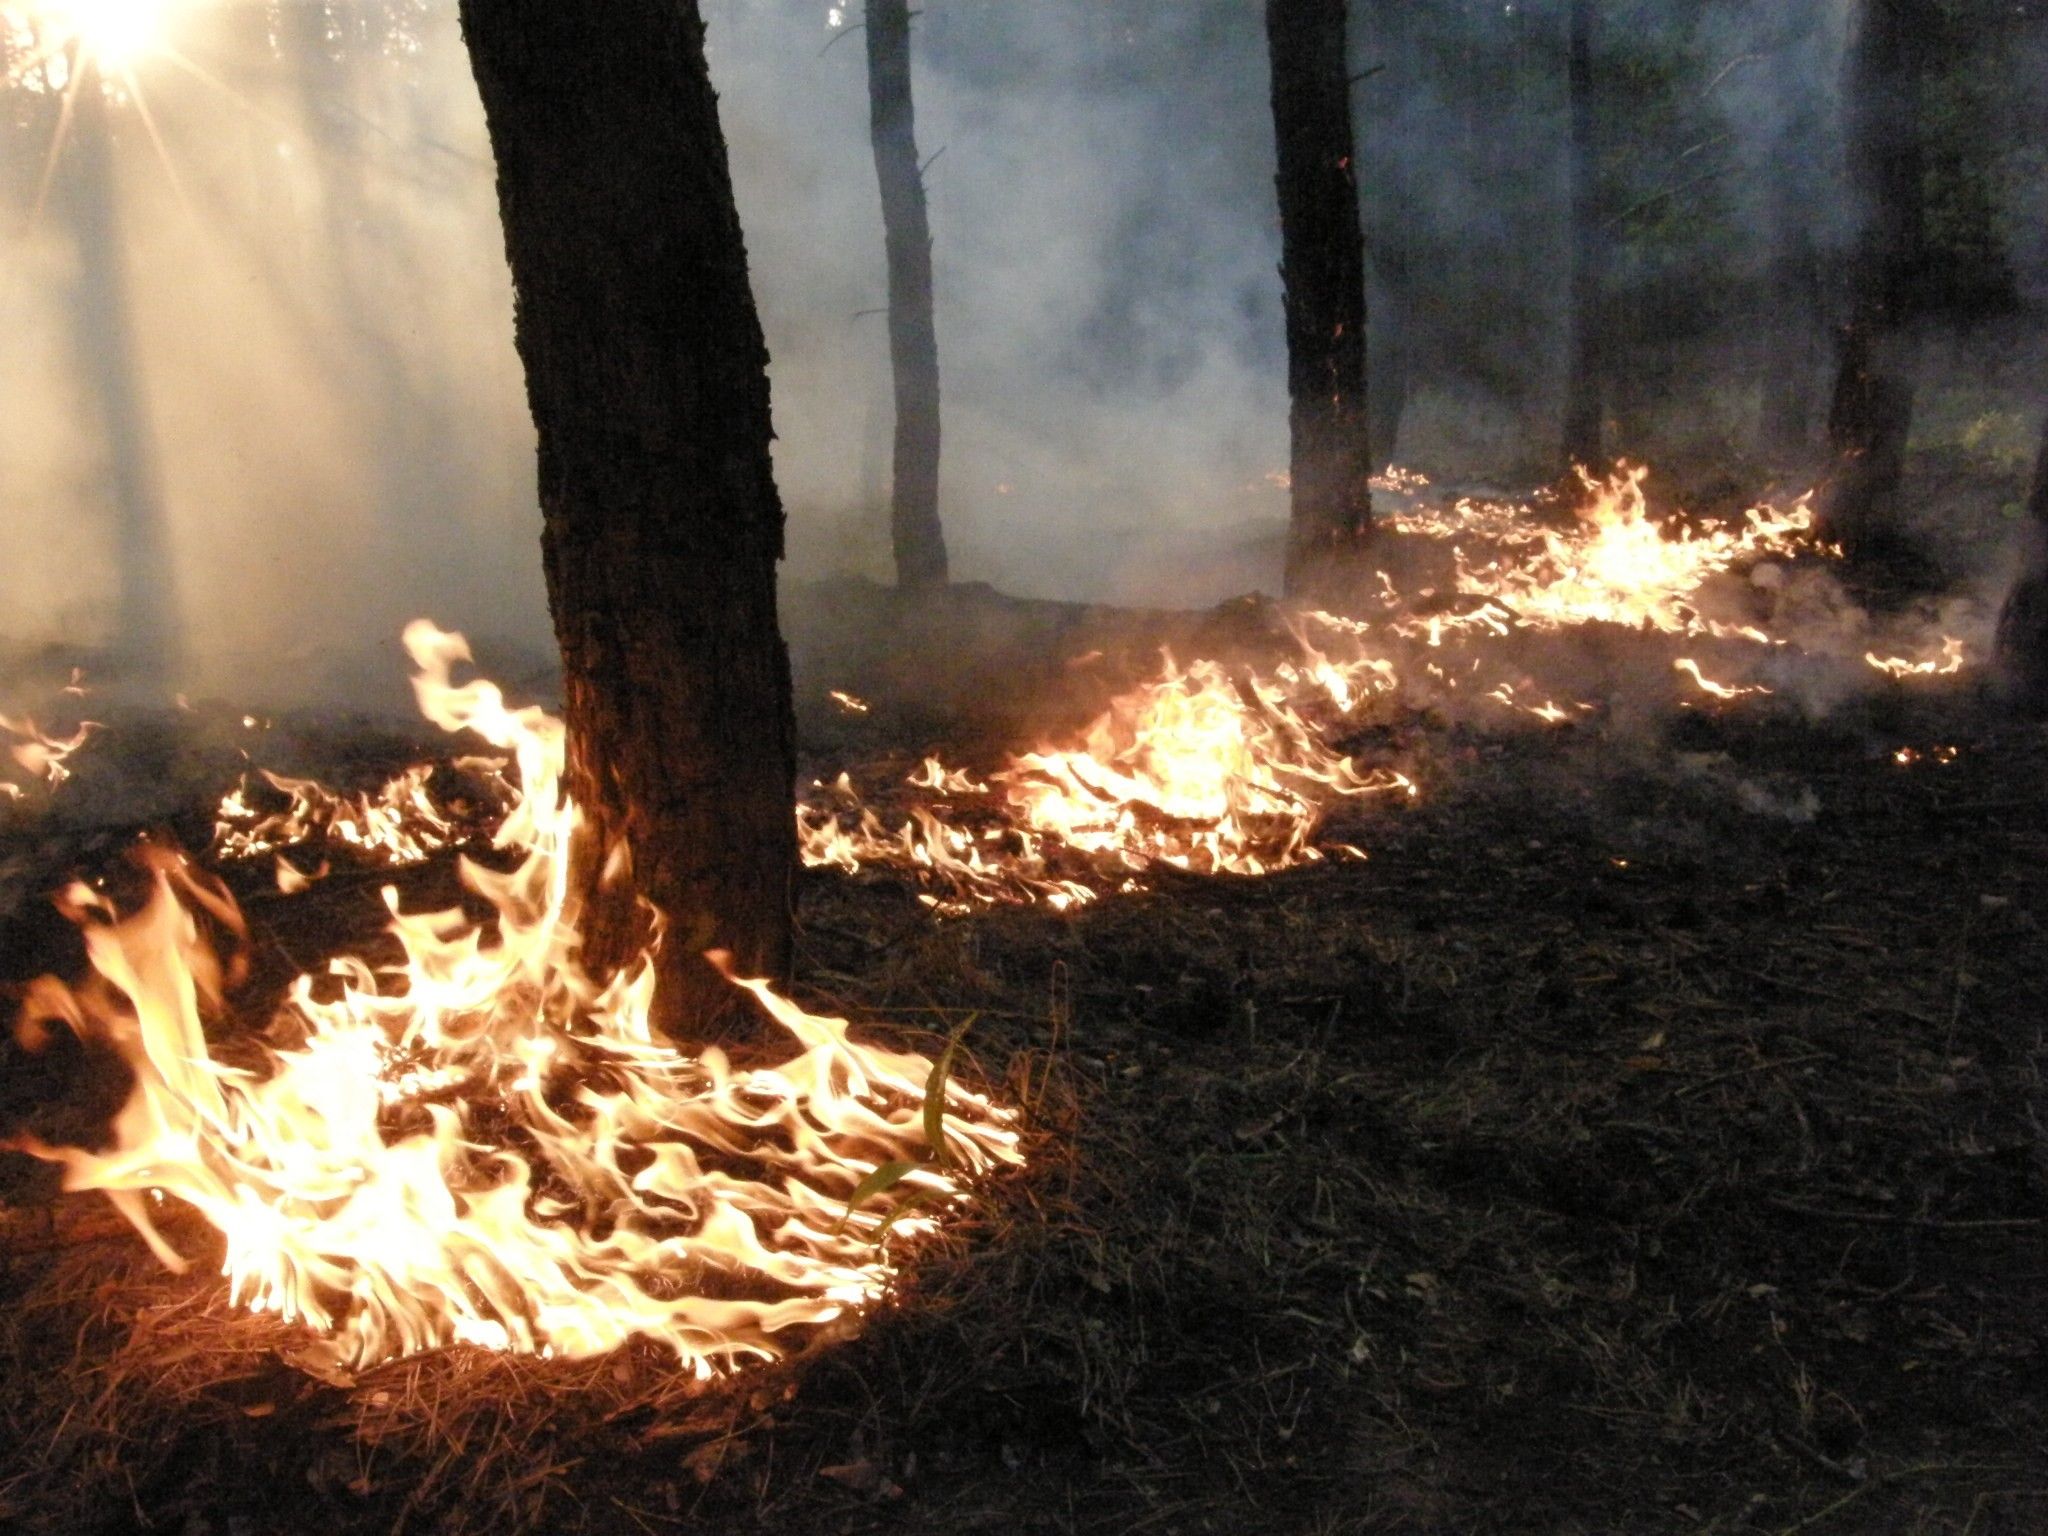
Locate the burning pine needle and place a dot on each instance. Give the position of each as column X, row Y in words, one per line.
column 485, row 1145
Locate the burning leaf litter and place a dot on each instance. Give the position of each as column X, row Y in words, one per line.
column 1211, row 768
column 485, row 1145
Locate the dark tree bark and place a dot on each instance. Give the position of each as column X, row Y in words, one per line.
column 1585, row 402
column 2020, row 660
column 1391, row 334
column 148, row 634
column 914, row 530
column 647, row 377
column 1872, row 411
column 1322, row 266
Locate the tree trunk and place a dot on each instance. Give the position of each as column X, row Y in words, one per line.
column 1390, row 338
column 1791, row 350
column 914, row 529
column 1585, row 403
column 147, row 629
column 2020, row 660
column 1323, row 270
column 1872, row 412
column 647, row 377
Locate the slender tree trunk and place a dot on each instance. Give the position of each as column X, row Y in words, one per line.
column 2020, row 662
column 1792, row 342
column 1872, row 412
column 1391, row 331
column 1323, row 269
column 647, row 376
column 1585, row 403
column 914, row 529
column 148, row 635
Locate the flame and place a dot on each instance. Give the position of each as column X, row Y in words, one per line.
column 38, row 752
column 1707, row 685
column 1199, row 769
column 1952, row 659
column 1620, row 566
column 397, row 824
column 482, row 1144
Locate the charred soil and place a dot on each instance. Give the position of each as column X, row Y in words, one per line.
column 1647, row 1137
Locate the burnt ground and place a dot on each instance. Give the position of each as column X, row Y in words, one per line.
column 1635, row 1143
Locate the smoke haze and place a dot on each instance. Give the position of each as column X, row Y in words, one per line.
column 286, row 415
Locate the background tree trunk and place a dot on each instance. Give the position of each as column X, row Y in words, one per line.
column 1585, row 395
column 646, row 372
column 1323, row 269
column 2020, row 661
column 148, row 636
column 1791, row 340
column 1872, row 411
column 914, row 530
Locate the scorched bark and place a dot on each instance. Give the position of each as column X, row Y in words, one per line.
column 1323, row 269
column 1872, row 412
column 646, row 373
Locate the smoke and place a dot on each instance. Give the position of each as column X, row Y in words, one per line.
column 324, row 430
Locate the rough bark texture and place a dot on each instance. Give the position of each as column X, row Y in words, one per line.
column 646, row 373
column 2020, row 663
column 1391, row 332
column 1872, row 411
column 914, row 530
column 1585, row 403
column 1323, row 269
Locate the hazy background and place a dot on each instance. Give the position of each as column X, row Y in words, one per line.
column 257, row 364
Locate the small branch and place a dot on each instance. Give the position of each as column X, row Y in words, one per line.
column 1918, row 1223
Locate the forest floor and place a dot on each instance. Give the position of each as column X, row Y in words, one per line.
column 1647, row 1138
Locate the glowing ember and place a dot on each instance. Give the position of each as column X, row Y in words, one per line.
column 483, row 1144
column 847, row 702
column 1910, row 757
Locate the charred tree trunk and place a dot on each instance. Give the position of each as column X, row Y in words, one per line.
column 1322, row 266
column 2020, row 662
column 1872, row 411
column 1585, row 402
column 914, row 530
column 147, row 638
column 1391, row 331
column 647, row 377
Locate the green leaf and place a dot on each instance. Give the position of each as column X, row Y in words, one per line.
column 888, row 1176
column 935, row 1093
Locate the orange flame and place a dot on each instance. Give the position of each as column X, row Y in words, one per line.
column 485, row 1145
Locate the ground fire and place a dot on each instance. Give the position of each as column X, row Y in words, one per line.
column 483, row 1144
column 1184, row 768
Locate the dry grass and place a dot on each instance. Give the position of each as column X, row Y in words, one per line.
column 1600, row 1157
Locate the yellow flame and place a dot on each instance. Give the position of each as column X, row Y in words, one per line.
column 483, row 1144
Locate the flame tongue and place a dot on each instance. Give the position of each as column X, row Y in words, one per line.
column 483, row 1144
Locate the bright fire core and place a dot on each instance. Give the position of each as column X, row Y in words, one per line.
column 485, row 1145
